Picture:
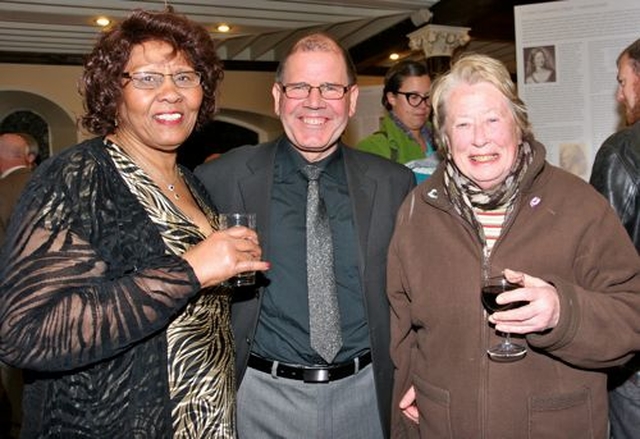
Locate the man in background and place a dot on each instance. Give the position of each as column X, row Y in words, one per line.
column 17, row 151
column 616, row 175
column 18, row 154
column 289, row 387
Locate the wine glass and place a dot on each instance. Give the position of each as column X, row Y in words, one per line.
column 492, row 286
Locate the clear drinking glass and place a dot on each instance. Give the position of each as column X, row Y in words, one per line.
column 228, row 220
column 492, row 286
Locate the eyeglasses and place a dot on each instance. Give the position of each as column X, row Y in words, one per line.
column 153, row 80
column 414, row 99
column 302, row 90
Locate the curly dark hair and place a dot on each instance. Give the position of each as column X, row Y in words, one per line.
column 101, row 84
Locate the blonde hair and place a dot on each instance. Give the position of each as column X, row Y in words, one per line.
column 472, row 69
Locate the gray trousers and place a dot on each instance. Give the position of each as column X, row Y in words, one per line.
column 624, row 409
column 272, row 407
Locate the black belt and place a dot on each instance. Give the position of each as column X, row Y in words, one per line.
column 310, row 374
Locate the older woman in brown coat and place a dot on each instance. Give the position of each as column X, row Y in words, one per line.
column 496, row 204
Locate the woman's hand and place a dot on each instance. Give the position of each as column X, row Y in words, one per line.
column 408, row 405
column 541, row 313
column 224, row 254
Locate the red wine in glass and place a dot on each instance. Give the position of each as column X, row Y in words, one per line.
column 506, row 351
column 491, row 291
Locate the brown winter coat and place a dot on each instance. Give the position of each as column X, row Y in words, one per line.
column 562, row 231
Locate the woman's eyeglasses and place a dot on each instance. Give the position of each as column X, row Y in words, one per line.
column 414, row 99
column 153, row 80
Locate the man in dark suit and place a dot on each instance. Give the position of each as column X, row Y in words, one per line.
column 18, row 154
column 286, row 387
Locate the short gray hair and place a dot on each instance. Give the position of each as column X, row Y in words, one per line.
column 472, row 69
column 32, row 144
column 318, row 42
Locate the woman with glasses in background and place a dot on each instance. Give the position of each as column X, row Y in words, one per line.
column 405, row 135
column 110, row 291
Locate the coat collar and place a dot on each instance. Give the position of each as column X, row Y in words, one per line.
column 21, row 169
column 432, row 190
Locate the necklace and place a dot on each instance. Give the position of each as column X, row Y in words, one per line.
column 171, row 186
column 145, row 166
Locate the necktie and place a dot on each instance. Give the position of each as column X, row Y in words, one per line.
column 324, row 314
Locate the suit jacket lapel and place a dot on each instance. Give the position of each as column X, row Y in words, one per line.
column 255, row 188
column 362, row 190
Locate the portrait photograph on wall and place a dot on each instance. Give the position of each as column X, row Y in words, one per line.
column 540, row 64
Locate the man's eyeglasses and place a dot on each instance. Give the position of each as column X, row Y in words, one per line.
column 302, row 90
column 153, row 80
column 414, row 99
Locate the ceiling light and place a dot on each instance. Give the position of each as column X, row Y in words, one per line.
column 394, row 57
column 223, row 27
column 103, row 21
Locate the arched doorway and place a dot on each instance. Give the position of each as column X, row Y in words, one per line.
column 30, row 123
column 230, row 129
column 60, row 127
column 215, row 138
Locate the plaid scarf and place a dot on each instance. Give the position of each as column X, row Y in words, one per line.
column 465, row 195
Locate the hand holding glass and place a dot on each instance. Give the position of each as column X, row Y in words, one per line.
column 228, row 220
column 491, row 288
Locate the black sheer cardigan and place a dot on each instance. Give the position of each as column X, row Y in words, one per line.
column 87, row 289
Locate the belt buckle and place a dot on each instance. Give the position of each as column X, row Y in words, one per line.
column 315, row 375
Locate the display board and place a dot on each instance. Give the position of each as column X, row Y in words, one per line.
column 566, row 58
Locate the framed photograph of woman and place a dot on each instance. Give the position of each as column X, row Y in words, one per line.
column 540, row 64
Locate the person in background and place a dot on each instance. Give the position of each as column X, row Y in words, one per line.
column 18, row 154
column 17, row 151
column 405, row 134
column 495, row 204
column 110, row 276
column 288, row 388
column 616, row 175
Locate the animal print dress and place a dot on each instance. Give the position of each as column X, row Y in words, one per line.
column 200, row 343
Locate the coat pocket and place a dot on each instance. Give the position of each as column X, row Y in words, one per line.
column 561, row 416
column 434, row 405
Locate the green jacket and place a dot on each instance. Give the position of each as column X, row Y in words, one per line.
column 391, row 142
